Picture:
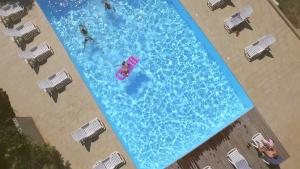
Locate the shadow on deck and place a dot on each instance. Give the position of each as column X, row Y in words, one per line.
column 238, row 134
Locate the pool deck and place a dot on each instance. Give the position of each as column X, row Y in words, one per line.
column 272, row 83
column 237, row 135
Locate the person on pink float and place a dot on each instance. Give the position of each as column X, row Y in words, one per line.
column 125, row 68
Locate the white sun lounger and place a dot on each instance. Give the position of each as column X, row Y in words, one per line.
column 115, row 160
column 208, row 167
column 257, row 140
column 55, row 82
column 258, row 47
column 11, row 9
column 213, row 4
column 89, row 129
column 238, row 18
column 237, row 160
column 37, row 53
column 26, row 31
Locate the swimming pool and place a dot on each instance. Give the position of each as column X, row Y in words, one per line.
column 179, row 95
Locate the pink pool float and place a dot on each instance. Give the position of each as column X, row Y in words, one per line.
column 131, row 61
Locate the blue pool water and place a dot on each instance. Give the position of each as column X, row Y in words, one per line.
column 180, row 94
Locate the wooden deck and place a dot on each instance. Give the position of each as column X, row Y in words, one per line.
column 238, row 134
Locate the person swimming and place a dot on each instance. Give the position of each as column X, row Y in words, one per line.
column 125, row 68
column 85, row 34
column 106, row 4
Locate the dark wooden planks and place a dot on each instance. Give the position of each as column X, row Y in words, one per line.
column 238, row 134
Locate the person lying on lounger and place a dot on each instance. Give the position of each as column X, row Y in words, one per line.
column 268, row 149
column 85, row 34
column 125, row 68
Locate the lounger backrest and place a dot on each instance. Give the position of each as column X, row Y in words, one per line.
column 257, row 139
column 245, row 12
column 9, row 9
column 79, row 135
column 214, row 2
column 115, row 160
column 39, row 52
column 21, row 30
column 6, row 7
column 266, row 41
column 41, row 49
column 45, row 84
column 236, row 19
column 99, row 165
column 235, row 156
column 11, row 32
column 27, row 28
column 93, row 126
column 61, row 78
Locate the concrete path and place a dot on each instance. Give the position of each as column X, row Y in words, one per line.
column 74, row 107
column 272, row 82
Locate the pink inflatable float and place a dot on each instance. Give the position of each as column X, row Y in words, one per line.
column 131, row 61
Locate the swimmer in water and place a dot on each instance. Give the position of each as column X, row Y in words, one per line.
column 106, row 4
column 85, row 34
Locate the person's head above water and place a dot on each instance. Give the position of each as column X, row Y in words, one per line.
column 107, row 4
column 83, row 29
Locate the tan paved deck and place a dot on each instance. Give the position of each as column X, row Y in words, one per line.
column 272, row 83
column 74, row 106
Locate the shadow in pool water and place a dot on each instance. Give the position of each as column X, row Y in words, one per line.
column 115, row 19
column 136, row 83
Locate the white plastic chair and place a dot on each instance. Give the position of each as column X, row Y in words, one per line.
column 37, row 53
column 213, row 4
column 10, row 9
column 115, row 160
column 238, row 18
column 55, row 82
column 258, row 47
column 89, row 129
column 237, row 159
